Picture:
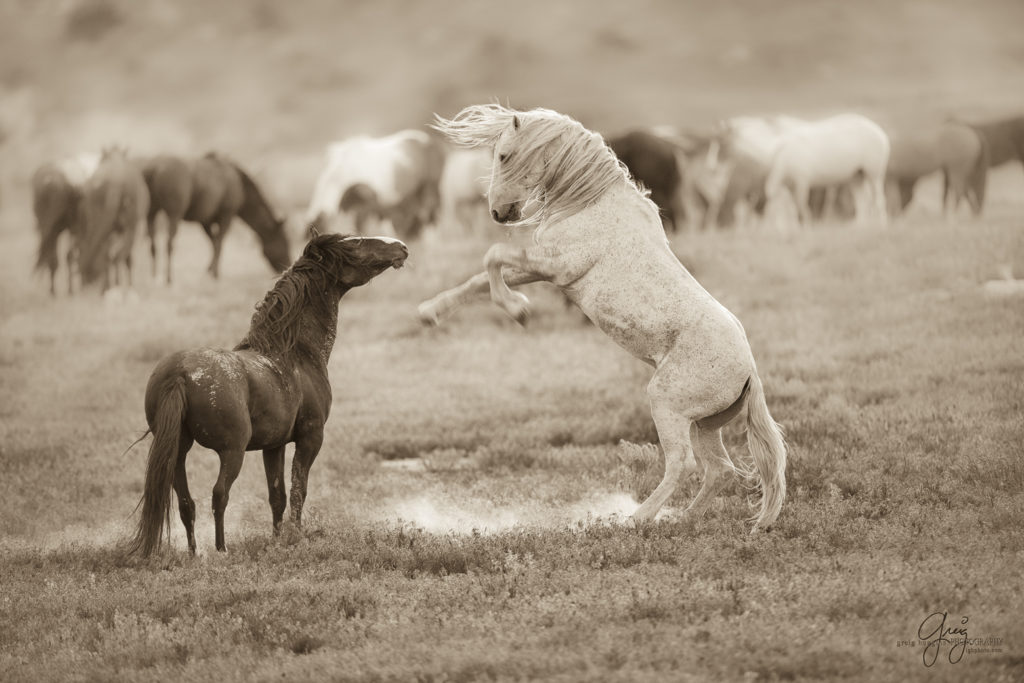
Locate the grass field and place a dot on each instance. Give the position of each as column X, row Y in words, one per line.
column 466, row 516
column 462, row 517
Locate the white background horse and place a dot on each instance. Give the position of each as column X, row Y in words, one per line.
column 395, row 176
column 602, row 243
column 828, row 153
column 464, row 189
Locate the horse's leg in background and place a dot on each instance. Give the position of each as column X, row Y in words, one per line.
column 432, row 310
column 828, row 207
column 186, row 506
column 230, row 466
column 151, row 233
column 674, row 433
column 172, row 232
column 273, row 465
column 307, row 447
column 877, row 184
column 71, row 258
column 801, row 190
column 208, row 228
column 906, row 186
column 217, row 237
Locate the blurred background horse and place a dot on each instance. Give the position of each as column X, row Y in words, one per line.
column 394, row 178
column 955, row 149
column 211, row 190
column 828, row 153
column 463, row 189
column 1004, row 139
column 56, row 202
column 114, row 201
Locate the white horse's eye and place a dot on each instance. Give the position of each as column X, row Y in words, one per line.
column 502, row 157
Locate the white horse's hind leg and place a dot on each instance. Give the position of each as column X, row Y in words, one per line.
column 674, row 434
column 712, row 456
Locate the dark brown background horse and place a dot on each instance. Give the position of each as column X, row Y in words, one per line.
column 114, row 202
column 211, row 191
column 271, row 390
column 56, row 203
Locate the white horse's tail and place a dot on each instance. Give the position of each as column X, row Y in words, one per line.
column 768, row 450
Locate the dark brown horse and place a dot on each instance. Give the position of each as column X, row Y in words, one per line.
column 56, row 202
column 271, row 390
column 652, row 161
column 114, row 202
column 211, row 191
column 1005, row 140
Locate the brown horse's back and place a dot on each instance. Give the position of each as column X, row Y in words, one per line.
column 217, row 190
column 169, row 179
column 223, row 390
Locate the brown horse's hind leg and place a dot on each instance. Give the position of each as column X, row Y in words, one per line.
column 306, row 450
column 186, row 506
column 273, row 463
column 230, row 466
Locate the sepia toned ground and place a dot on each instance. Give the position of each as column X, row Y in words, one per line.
column 465, row 518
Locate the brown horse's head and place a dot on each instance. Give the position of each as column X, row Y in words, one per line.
column 354, row 261
column 275, row 246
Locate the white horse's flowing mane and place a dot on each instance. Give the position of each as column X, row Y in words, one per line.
column 580, row 166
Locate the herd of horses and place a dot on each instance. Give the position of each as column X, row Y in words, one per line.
column 745, row 167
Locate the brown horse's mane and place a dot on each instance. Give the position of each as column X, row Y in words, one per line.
column 311, row 284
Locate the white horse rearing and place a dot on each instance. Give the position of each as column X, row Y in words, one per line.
column 601, row 241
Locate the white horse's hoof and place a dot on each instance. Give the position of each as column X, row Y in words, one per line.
column 428, row 314
column 518, row 307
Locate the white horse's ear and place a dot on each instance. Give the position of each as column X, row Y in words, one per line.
column 515, row 122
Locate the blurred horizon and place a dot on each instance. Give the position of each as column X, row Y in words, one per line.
column 266, row 81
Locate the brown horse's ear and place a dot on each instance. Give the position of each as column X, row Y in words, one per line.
column 313, row 231
column 515, row 121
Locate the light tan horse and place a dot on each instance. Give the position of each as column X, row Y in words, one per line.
column 600, row 240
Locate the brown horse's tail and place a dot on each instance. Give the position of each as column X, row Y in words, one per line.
column 163, row 458
column 768, row 450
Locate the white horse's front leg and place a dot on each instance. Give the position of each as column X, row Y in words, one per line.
column 433, row 310
column 537, row 265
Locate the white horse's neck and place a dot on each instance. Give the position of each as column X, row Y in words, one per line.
column 621, row 208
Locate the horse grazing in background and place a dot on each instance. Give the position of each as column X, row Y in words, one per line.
column 600, row 240
column 211, row 191
column 57, row 205
column 652, row 161
column 114, row 202
column 955, row 149
column 394, row 178
column 830, row 152
column 463, row 188
column 271, row 390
